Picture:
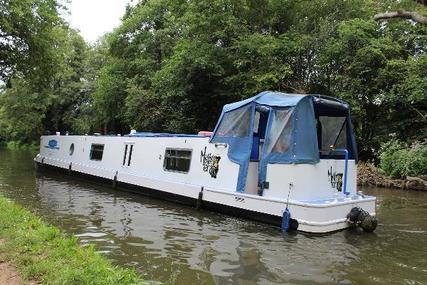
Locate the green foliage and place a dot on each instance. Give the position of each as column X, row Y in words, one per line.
column 377, row 71
column 28, row 106
column 44, row 70
column 398, row 160
column 21, row 112
column 27, row 36
column 182, row 61
column 172, row 64
column 19, row 145
column 43, row 253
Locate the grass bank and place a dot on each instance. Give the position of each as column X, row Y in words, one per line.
column 43, row 253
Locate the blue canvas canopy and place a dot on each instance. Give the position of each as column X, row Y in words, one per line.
column 287, row 125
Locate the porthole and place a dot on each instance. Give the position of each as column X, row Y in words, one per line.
column 72, row 149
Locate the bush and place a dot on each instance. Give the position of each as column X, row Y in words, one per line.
column 399, row 160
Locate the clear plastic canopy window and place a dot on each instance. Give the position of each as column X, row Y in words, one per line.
column 279, row 136
column 235, row 123
column 334, row 132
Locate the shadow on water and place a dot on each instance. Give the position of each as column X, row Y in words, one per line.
column 176, row 244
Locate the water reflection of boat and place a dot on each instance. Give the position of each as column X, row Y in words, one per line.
column 268, row 153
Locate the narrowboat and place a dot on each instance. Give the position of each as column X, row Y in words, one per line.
column 283, row 159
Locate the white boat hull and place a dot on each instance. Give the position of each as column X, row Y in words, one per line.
column 323, row 212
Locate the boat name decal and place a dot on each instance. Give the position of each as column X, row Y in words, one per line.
column 210, row 163
column 335, row 179
column 52, row 144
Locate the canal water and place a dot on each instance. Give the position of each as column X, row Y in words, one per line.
column 177, row 244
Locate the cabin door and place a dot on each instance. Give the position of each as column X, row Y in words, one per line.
column 258, row 137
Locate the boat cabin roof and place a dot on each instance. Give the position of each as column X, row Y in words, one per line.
column 323, row 104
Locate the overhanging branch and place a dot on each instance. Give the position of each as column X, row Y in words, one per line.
column 402, row 14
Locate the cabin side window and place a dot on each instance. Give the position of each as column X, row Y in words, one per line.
column 71, row 151
column 96, row 151
column 127, row 155
column 177, row 160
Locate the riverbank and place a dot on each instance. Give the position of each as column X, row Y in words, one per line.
column 42, row 254
column 368, row 174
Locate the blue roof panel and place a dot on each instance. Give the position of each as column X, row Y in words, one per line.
column 268, row 98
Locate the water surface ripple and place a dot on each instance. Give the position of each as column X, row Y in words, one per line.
column 176, row 244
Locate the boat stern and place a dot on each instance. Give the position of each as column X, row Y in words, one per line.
column 329, row 215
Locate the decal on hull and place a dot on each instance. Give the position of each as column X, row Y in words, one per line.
column 52, row 144
column 210, row 163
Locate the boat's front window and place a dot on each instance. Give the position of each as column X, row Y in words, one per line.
column 235, row 123
column 332, row 132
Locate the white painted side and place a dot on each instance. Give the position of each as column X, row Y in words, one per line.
column 314, row 202
column 252, row 178
column 147, row 159
column 308, row 181
column 312, row 217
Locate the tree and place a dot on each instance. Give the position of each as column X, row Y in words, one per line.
column 27, row 39
column 171, row 65
column 41, row 64
column 21, row 112
column 379, row 73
